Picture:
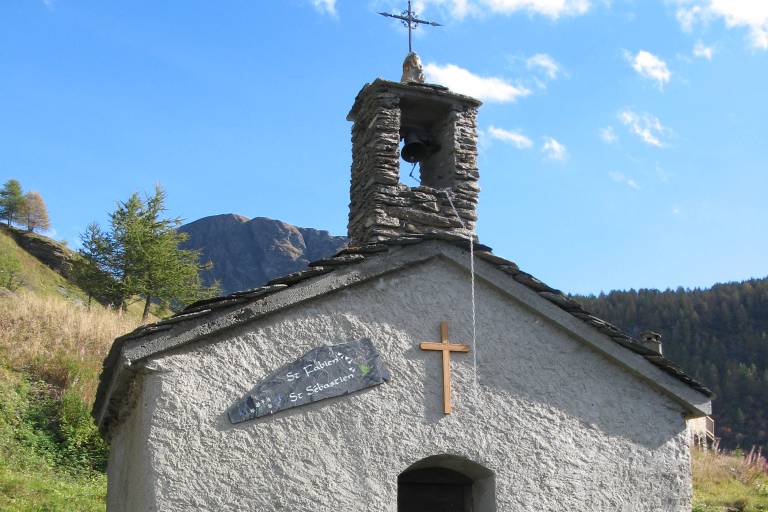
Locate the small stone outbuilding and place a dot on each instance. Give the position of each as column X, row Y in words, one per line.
column 551, row 408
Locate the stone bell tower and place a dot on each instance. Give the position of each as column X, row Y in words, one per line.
column 439, row 133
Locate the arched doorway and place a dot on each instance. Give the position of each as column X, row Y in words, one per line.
column 445, row 483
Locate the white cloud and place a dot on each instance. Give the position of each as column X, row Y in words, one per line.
column 687, row 16
column 749, row 14
column 517, row 139
column 465, row 82
column 608, row 135
column 650, row 66
column 460, row 8
column 553, row 150
column 48, row 4
column 551, row 8
column 457, row 8
column 545, row 63
column 325, row 6
column 645, row 126
column 624, row 180
column 702, row 51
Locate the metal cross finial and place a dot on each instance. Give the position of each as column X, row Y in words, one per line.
column 410, row 20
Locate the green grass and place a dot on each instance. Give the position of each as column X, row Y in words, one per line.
column 51, row 457
column 36, row 491
column 729, row 482
column 34, row 275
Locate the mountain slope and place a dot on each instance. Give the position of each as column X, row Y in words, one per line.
column 37, row 263
column 246, row 253
column 51, row 350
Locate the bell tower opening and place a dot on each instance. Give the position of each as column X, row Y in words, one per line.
column 445, row 483
column 426, row 132
column 397, row 125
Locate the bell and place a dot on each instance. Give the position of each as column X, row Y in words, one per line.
column 415, row 147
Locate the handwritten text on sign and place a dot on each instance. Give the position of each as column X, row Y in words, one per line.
column 321, row 373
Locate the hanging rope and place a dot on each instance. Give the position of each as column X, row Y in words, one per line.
column 448, row 194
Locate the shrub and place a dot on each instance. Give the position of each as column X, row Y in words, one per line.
column 82, row 447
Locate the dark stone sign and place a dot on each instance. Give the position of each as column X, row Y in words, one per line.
column 321, row 373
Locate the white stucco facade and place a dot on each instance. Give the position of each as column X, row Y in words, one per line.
column 560, row 424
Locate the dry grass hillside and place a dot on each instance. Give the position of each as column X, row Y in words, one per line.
column 21, row 270
column 48, row 330
column 51, row 349
column 58, row 341
column 51, row 455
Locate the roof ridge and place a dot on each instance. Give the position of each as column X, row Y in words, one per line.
column 353, row 255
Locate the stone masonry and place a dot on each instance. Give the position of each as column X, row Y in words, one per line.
column 383, row 208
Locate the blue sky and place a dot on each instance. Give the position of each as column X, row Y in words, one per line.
column 623, row 143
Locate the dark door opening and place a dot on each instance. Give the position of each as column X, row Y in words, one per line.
column 434, row 490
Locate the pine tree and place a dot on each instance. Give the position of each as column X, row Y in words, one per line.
column 11, row 201
column 124, row 248
column 91, row 269
column 141, row 255
column 34, row 213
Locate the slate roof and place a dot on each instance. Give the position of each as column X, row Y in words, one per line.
column 352, row 255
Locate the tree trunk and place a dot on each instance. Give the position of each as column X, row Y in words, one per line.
column 147, row 303
column 120, row 304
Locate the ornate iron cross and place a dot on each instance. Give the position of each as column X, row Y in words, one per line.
column 410, row 20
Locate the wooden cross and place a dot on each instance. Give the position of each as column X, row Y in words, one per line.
column 446, row 348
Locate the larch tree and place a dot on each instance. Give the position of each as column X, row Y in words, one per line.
column 11, row 201
column 91, row 269
column 34, row 212
column 142, row 255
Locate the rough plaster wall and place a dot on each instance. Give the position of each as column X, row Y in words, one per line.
column 561, row 427
column 130, row 469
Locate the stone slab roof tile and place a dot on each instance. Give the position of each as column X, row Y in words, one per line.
column 340, row 259
column 297, row 277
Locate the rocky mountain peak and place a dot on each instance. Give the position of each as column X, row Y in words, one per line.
column 247, row 253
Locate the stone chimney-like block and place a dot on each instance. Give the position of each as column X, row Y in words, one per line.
column 651, row 340
column 380, row 206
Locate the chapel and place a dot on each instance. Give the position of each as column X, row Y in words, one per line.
column 415, row 370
